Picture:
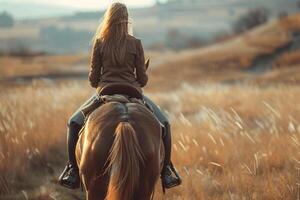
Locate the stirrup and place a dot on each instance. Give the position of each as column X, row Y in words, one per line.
column 65, row 175
column 172, row 173
column 174, row 170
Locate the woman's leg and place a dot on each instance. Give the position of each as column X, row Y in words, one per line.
column 72, row 138
column 167, row 179
column 167, row 131
column 75, row 124
column 70, row 177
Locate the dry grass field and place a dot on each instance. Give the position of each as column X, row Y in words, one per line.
column 236, row 134
column 230, row 142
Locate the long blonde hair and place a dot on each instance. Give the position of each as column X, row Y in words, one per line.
column 112, row 33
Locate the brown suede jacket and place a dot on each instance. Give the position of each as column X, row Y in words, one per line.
column 103, row 71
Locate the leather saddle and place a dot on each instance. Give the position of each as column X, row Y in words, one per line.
column 121, row 89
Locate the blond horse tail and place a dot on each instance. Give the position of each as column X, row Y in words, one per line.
column 125, row 159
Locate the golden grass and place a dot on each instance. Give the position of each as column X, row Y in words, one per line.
column 229, row 142
column 237, row 142
column 32, row 126
column 288, row 74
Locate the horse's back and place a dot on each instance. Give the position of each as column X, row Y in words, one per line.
column 99, row 135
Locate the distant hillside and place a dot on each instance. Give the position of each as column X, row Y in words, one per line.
column 175, row 25
column 240, row 51
column 267, row 54
column 275, row 45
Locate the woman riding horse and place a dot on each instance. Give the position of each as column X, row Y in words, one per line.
column 117, row 57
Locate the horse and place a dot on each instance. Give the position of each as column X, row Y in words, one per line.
column 120, row 152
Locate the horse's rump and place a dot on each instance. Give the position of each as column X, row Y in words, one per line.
column 104, row 147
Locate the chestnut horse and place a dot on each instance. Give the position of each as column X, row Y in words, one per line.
column 119, row 152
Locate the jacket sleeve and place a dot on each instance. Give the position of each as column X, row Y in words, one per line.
column 141, row 75
column 95, row 65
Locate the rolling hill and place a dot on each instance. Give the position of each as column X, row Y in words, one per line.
column 274, row 45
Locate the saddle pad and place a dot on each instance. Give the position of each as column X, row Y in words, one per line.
column 115, row 97
column 87, row 110
column 120, row 98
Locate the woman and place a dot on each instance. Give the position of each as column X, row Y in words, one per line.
column 117, row 57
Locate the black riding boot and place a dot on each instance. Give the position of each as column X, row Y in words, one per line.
column 169, row 176
column 70, row 176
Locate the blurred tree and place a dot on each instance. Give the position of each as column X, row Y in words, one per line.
column 251, row 19
column 231, row 12
column 6, row 20
column 174, row 39
column 282, row 14
column 195, row 42
column 64, row 38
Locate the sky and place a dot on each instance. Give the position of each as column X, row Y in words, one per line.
column 83, row 4
column 29, row 9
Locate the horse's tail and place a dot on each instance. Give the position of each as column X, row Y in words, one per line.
column 126, row 156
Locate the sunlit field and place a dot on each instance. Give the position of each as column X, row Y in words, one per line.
column 229, row 142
